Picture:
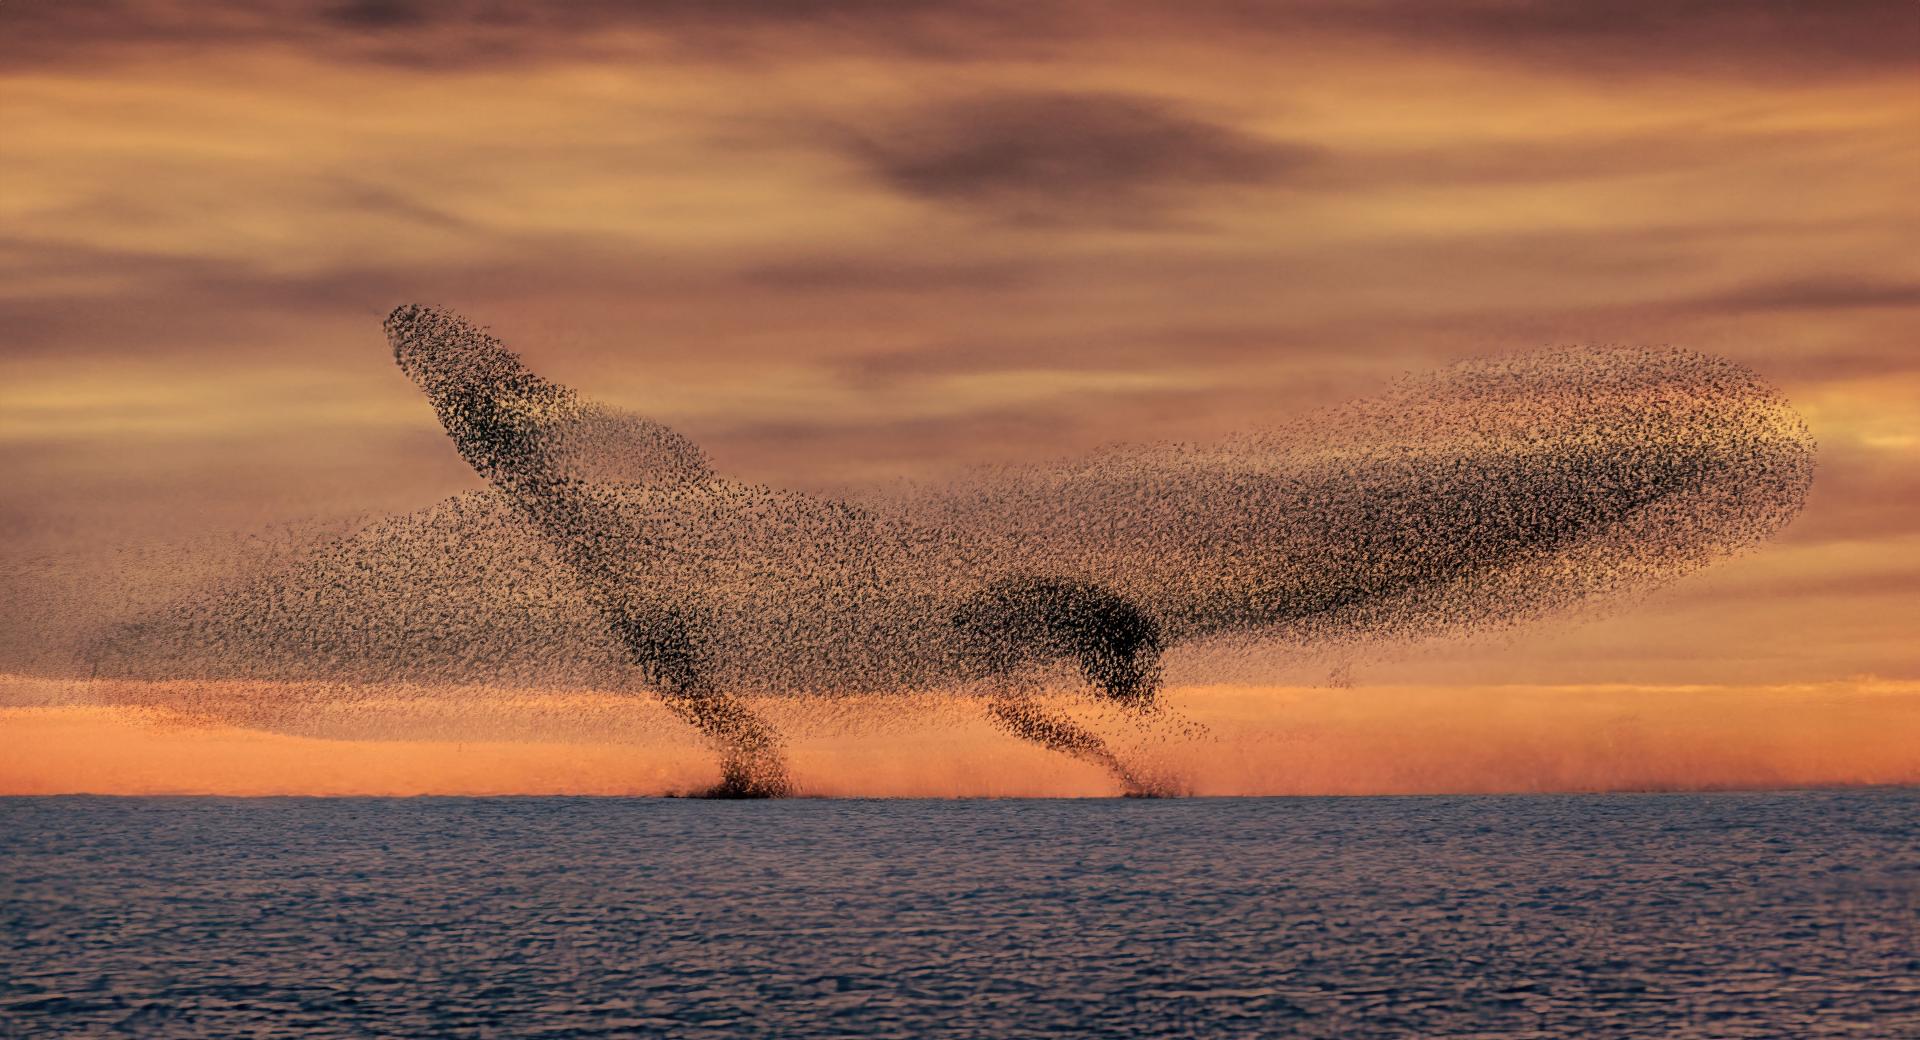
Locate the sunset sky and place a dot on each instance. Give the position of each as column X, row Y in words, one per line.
column 841, row 242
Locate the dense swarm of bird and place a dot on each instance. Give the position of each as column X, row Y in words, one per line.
column 607, row 553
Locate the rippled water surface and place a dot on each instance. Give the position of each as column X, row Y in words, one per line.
column 1728, row 915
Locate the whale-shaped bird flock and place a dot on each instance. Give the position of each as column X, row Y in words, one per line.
column 607, row 552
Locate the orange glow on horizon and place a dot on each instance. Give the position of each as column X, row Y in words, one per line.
column 1282, row 741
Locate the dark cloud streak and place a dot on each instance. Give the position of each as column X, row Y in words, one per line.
column 1770, row 39
column 1823, row 293
column 1055, row 158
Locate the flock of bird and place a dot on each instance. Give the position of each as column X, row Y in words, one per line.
column 606, row 552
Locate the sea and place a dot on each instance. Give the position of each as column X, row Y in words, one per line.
column 1779, row 915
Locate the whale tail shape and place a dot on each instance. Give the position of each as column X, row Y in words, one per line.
column 545, row 448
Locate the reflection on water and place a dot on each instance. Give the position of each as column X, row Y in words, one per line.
column 1727, row 915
